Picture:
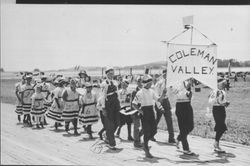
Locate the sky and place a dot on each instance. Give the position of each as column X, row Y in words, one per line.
column 62, row 36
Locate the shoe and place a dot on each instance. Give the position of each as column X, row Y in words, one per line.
column 76, row 133
column 41, row 125
column 188, row 152
column 100, row 135
column 130, row 138
column 171, row 140
column 138, row 145
column 148, row 154
column 153, row 139
column 219, row 150
column 37, row 126
column 112, row 148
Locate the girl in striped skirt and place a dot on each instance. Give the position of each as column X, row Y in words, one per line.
column 46, row 93
column 55, row 111
column 218, row 99
column 89, row 114
column 71, row 106
column 26, row 93
column 38, row 100
column 19, row 110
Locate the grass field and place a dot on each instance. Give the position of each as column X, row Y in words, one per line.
column 238, row 115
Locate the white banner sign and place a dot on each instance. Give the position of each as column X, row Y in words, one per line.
column 196, row 61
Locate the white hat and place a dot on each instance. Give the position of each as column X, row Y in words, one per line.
column 108, row 68
column 146, row 79
column 28, row 75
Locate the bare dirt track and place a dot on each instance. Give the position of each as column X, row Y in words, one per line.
column 30, row 146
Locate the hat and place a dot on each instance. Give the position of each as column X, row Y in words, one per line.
column 88, row 85
column 220, row 79
column 44, row 77
column 28, row 75
column 109, row 68
column 146, row 79
column 125, row 81
column 82, row 72
column 164, row 71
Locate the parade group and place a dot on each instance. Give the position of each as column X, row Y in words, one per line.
column 83, row 102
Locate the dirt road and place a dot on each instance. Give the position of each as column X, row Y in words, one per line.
column 24, row 145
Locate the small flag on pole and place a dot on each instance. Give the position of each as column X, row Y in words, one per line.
column 187, row 21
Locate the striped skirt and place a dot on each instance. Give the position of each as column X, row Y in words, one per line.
column 37, row 112
column 55, row 114
column 19, row 109
column 47, row 105
column 26, row 109
column 68, row 115
column 89, row 115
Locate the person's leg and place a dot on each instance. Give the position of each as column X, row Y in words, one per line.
column 110, row 127
column 158, row 115
column 75, row 126
column 19, row 118
column 169, row 121
column 89, row 131
column 67, row 126
column 130, row 138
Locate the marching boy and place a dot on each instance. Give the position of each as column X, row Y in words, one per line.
column 144, row 102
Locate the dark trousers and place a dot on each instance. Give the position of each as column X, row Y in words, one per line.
column 148, row 124
column 184, row 113
column 219, row 114
column 103, row 123
column 89, row 129
column 168, row 117
column 137, row 123
column 112, row 120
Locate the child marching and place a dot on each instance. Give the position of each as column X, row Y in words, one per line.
column 38, row 100
column 89, row 113
column 124, row 98
column 46, row 93
column 144, row 102
column 26, row 93
column 184, row 113
column 56, row 109
column 71, row 106
column 19, row 110
column 218, row 100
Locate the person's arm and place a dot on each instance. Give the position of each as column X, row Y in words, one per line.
column 33, row 102
column 64, row 95
column 18, row 95
column 136, row 104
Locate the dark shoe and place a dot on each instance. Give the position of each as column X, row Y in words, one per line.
column 148, row 154
column 112, row 147
column 188, row 152
column 130, row 138
column 138, row 145
column 153, row 139
column 37, row 126
column 171, row 140
column 41, row 125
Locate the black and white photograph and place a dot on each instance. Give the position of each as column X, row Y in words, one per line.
column 123, row 84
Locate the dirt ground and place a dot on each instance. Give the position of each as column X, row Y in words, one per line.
column 31, row 146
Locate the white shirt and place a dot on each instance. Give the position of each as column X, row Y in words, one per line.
column 217, row 97
column 180, row 92
column 145, row 97
column 160, row 86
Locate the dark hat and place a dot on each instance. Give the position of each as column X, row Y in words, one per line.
column 82, row 72
column 164, row 71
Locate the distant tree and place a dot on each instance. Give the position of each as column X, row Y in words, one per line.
column 2, row 70
column 36, row 70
